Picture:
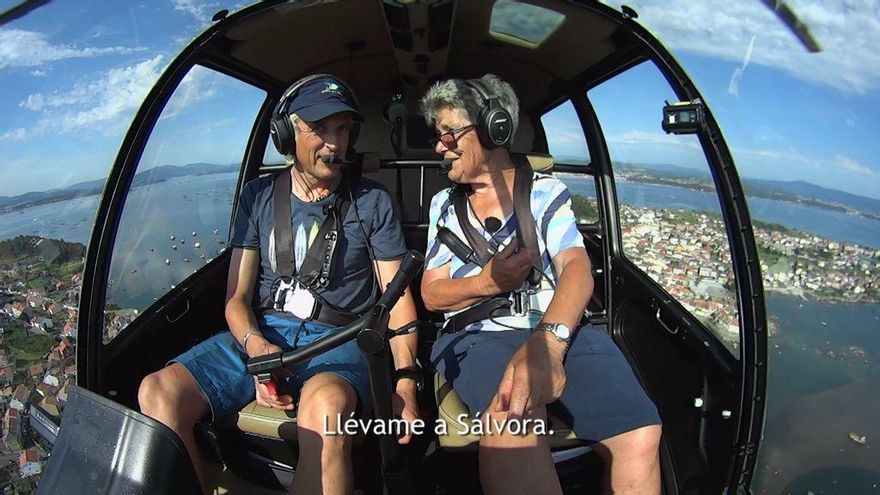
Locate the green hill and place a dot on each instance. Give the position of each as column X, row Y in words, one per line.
column 28, row 248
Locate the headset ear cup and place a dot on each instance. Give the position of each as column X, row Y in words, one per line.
column 282, row 135
column 483, row 129
column 276, row 138
column 289, row 136
column 494, row 124
column 498, row 125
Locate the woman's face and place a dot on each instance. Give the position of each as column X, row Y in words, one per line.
column 459, row 143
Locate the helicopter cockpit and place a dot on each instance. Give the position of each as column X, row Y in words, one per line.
column 574, row 65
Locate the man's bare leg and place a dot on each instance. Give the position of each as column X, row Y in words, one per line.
column 632, row 461
column 172, row 397
column 517, row 464
column 324, row 464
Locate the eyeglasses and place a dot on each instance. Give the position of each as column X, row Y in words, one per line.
column 448, row 138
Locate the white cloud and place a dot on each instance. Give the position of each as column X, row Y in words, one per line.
column 198, row 84
column 202, row 11
column 636, row 137
column 780, row 156
column 108, row 102
column 838, row 167
column 567, row 136
column 733, row 87
column 855, row 167
column 19, row 134
column 104, row 103
column 20, row 48
column 847, row 30
column 38, row 73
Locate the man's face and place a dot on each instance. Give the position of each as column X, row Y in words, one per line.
column 458, row 142
column 326, row 137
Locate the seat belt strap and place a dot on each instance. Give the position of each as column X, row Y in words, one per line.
column 482, row 250
column 491, row 308
column 317, row 266
column 282, row 218
column 526, row 228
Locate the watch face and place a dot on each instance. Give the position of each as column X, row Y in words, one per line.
column 562, row 331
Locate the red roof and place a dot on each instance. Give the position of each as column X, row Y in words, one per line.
column 28, row 456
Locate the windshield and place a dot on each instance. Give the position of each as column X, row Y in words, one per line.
column 801, row 125
column 802, row 128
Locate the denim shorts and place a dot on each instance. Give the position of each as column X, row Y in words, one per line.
column 602, row 397
column 218, row 364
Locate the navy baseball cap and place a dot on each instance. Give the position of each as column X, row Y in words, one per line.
column 323, row 97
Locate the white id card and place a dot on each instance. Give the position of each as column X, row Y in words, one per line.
column 300, row 302
column 294, row 299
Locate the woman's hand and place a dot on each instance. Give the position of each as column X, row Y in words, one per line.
column 506, row 271
column 535, row 376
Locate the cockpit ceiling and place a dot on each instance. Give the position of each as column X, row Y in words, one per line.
column 353, row 39
column 349, row 39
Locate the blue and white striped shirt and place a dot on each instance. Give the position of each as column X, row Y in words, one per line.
column 557, row 231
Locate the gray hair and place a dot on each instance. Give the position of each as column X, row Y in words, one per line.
column 455, row 94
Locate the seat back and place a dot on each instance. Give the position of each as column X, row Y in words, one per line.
column 104, row 447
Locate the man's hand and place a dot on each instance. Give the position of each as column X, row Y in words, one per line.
column 259, row 346
column 534, row 377
column 405, row 405
column 506, row 271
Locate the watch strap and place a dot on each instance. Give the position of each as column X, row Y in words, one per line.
column 551, row 328
column 415, row 374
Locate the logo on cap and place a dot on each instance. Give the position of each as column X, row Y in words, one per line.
column 331, row 88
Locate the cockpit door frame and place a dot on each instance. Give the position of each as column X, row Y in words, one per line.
column 201, row 51
column 752, row 310
column 747, row 272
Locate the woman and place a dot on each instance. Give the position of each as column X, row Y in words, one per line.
column 505, row 360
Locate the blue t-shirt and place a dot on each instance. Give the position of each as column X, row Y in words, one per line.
column 352, row 280
column 550, row 203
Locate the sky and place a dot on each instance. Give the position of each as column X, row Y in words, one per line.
column 73, row 74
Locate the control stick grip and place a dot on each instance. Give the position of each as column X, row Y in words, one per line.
column 409, row 268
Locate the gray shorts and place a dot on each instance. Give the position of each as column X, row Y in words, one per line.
column 602, row 397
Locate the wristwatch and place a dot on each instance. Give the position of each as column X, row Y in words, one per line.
column 560, row 331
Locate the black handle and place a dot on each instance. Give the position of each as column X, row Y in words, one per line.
column 264, row 364
column 457, row 246
column 409, row 268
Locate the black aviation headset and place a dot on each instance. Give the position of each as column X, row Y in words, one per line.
column 494, row 124
column 281, row 128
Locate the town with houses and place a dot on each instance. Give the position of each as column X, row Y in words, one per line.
column 687, row 253
column 684, row 251
column 38, row 315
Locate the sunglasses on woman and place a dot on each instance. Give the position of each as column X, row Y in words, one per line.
column 448, row 138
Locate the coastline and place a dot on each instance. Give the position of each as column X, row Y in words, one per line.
column 783, row 198
column 810, row 296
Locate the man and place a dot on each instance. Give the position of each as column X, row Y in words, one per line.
column 311, row 126
column 509, row 362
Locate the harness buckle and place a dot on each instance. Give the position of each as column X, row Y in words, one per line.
column 521, row 301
